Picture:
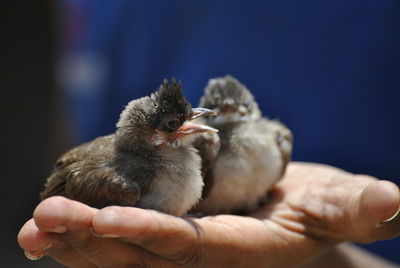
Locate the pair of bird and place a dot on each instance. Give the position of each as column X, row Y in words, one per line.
column 224, row 161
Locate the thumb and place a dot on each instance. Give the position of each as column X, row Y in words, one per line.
column 376, row 212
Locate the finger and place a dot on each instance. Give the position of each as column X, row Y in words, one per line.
column 381, row 205
column 37, row 243
column 58, row 215
column 378, row 202
column 73, row 221
column 30, row 238
column 149, row 229
column 182, row 241
column 353, row 206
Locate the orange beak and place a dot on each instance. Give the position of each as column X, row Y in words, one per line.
column 193, row 128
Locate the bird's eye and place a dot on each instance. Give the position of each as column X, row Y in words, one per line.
column 172, row 124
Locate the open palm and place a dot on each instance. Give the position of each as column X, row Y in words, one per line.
column 311, row 209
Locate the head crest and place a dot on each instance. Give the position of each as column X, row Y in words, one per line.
column 169, row 92
column 169, row 99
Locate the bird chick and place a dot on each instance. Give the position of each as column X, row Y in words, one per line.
column 253, row 151
column 149, row 162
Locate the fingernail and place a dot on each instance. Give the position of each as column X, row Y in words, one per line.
column 37, row 254
column 392, row 217
column 103, row 235
column 57, row 229
column 33, row 255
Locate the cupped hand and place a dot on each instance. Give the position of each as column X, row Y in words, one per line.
column 311, row 209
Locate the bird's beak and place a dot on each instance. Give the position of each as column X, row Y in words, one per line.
column 197, row 112
column 192, row 128
column 228, row 106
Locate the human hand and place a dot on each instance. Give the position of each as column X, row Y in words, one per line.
column 311, row 209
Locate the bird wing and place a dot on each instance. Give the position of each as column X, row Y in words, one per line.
column 56, row 182
column 283, row 138
column 87, row 174
column 208, row 145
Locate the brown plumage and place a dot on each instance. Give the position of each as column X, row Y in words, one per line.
column 148, row 162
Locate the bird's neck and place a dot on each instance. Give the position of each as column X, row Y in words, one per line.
column 133, row 141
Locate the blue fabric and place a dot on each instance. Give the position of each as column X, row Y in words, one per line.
column 329, row 70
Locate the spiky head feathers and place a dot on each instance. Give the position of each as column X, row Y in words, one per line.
column 169, row 99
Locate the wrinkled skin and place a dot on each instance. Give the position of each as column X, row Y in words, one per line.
column 313, row 208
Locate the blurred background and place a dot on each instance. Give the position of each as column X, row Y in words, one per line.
column 328, row 70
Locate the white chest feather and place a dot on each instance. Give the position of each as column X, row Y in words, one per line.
column 178, row 184
column 243, row 173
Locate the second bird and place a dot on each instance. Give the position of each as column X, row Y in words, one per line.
column 251, row 155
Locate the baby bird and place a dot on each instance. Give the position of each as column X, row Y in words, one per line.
column 149, row 162
column 252, row 151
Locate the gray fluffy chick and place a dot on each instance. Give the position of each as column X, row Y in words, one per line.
column 247, row 156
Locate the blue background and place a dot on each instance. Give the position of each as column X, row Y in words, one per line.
column 329, row 70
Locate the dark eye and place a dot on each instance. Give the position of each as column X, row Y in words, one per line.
column 172, row 124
